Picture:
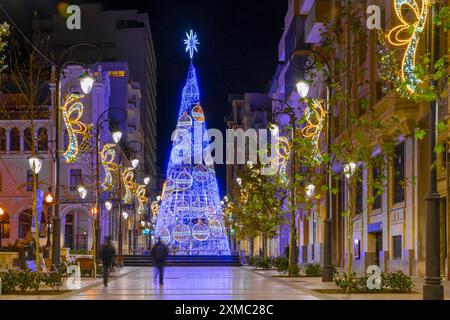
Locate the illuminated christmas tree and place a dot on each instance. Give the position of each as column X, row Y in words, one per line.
column 190, row 217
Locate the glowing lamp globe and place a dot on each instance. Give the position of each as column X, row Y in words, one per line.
column 143, row 223
column 117, row 135
column 125, row 215
column 2, row 212
column 49, row 198
column 302, row 88
column 35, row 163
column 310, row 190
column 158, row 198
column 82, row 191
column 239, row 181
column 146, row 180
column 135, row 162
column 86, row 82
column 108, row 205
column 349, row 169
column 274, row 129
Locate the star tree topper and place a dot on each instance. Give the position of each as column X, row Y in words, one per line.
column 191, row 43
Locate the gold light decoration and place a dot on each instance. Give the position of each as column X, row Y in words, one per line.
column 130, row 185
column 283, row 150
column 142, row 198
column 408, row 34
column 72, row 112
column 315, row 117
column 108, row 154
column 155, row 207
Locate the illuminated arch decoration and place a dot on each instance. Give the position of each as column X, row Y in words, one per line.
column 72, row 112
column 142, row 198
column 191, row 193
column 197, row 113
column 407, row 34
column 130, row 185
column 315, row 117
column 107, row 155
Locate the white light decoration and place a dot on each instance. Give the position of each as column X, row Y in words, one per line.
column 107, row 155
column 239, row 181
column 143, row 223
column 302, row 88
column 310, row 190
column 135, row 162
column 117, row 136
column 181, row 233
column 349, row 169
column 86, row 82
column 35, row 163
column 191, row 43
column 146, row 180
column 158, row 198
column 108, row 205
column 82, row 191
column 125, row 215
column 315, row 117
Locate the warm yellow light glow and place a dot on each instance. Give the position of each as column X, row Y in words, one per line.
column 130, row 185
column 142, row 198
column 72, row 112
column 155, row 207
column 315, row 117
column 2, row 212
column 49, row 198
column 107, row 155
column 407, row 33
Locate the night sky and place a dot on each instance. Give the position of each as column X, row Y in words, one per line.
column 238, row 51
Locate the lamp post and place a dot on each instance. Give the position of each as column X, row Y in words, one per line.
column 86, row 83
column 433, row 289
column 116, row 135
column 327, row 271
column 288, row 110
column 49, row 199
column 35, row 163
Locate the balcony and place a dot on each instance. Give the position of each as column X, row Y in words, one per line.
column 317, row 18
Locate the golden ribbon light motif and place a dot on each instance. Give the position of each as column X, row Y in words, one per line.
column 130, row 185
column 315, row 117
column 142, row 198
column 72, row 112
column 408, row 33
column 108, row 154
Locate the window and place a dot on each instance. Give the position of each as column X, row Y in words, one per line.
column 14, row 140
column 359, row 193
column 76, row 179
column 375, row 191
column 25, row 219
column 2, row 140
column 29, row 180
column 27, row 139
column 42, row 139
column 399, row 173
column 397, row 247
column 4, row 225
column 357, row 249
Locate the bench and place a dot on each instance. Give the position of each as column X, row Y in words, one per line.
column 87, row 266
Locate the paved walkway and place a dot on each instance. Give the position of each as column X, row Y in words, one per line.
column 195, row 283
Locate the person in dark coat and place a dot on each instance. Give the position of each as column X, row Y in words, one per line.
column 159, row 254
column 108, row 252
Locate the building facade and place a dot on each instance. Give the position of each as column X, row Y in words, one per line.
column 111, row 36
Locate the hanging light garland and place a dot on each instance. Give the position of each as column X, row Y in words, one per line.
column 108, row 154
column 315, row 118
column 408, row 34
column 130, row 185
column 142, row 198
column 72, row 112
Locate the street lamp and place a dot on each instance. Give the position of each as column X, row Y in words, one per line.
column 86, row 82
column 35, row 163
column 146, row 180
column 158, row 198
column 310, row 190
column 116, row 135
column 125, row 215
column 143, row 223
column 82, row 191
column 274, row 129
column 108, row 205
column 349, row 169
column 135, row 162
column 239, row 181
column 302, row 88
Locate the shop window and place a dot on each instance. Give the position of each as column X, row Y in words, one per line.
column 25, row 219
column 357, row 249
